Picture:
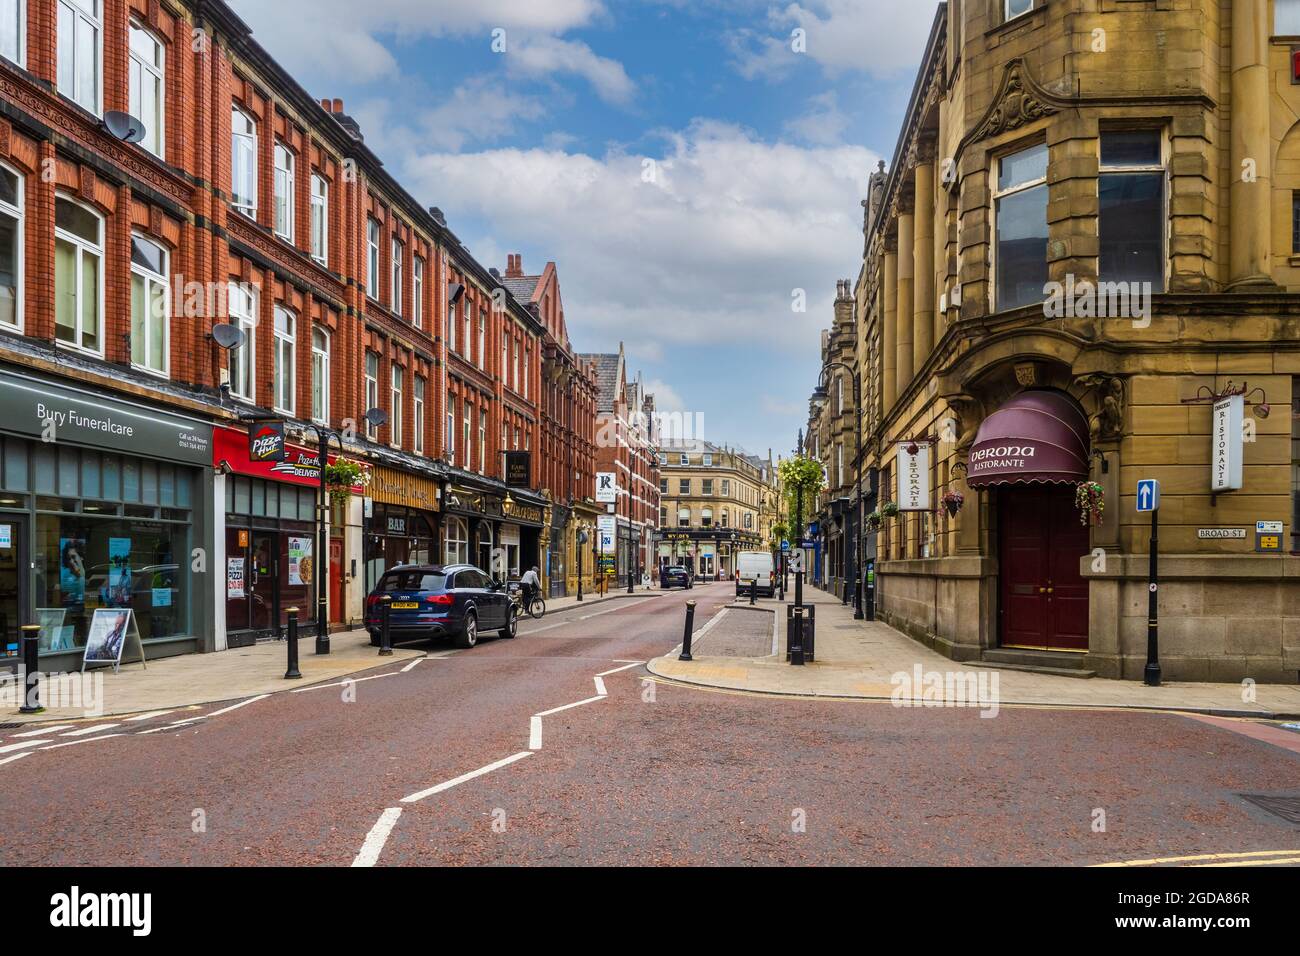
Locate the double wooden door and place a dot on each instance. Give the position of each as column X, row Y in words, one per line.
column 1044, row 598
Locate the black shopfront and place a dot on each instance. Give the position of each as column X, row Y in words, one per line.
column 497, row 530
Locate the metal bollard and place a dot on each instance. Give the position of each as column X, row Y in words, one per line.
column 753, row 590
column 796, row 643
column 385, row 634
column 686, row 637
column 31, row 670
column 291, row 672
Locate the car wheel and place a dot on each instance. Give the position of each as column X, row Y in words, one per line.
column 468, row 637
column 512, row 624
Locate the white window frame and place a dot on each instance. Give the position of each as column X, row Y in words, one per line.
column 1163, row 168
column 398, row 250
column 93, row 19
column 320, row 372
column 482, row 438
column 16, row 213
column 19, row 9
column 418, row 389
column 372, row 391
column 482, row 339
column 372, row 257
column 456, row 540
column 417, row 292
column 283, row 161
column 246, row 321
column 83, row 246
column 320, row 219
column 284, row 341
column 1289, row 9
column 139, row 71
column 450, row 437
column 1008, row 16
column 998, row 195
column 467, row 453
column 451, row 327
column 240, row 143
column 395, row 395
column 528, row 357
column 151, row 278
column 685, row 459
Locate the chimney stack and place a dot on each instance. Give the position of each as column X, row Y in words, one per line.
column 514, row 265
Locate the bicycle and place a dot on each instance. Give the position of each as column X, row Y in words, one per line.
column 535, row 609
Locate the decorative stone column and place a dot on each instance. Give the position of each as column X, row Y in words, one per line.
column 923, row 258
column 889, row 328
column 1252, row 166
column 906, row 297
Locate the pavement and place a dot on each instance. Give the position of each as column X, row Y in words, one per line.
column 191, row 679
column 558, row 747
column 860, row 660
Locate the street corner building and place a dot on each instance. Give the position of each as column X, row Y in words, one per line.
column 242, row 369
column 1081, row 270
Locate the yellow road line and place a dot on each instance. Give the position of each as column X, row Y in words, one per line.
column 1201, row 856
column 1276, row 862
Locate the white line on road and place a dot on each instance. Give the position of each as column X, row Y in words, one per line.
column 628, row 666
column 377, row 837
column 152, row 713
column 340, row 683
column 556, row 710
column 242, row 703
column 83, row 740
column 16, row 757
column 26, row 743
column 535, row 733
column 413, row 663
column 620, row 660
column 617, row 607
column 439, row 788
column 44, row 730
column 86, row 731
column 600, row 686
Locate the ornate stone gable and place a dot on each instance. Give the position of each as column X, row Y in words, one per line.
column 1018, row 102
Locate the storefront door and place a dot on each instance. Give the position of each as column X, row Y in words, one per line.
column 1044, row 598
column 264, row 581
column 336, row 580
column 13, row 583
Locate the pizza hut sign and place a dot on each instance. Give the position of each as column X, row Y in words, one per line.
column 266, row 442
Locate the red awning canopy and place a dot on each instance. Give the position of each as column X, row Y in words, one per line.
column 1038, row 437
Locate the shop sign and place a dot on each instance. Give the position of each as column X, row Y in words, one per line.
column 606, row 487
column 55, row 413
column 605, row 525
column 462, row 499
column 396, row 525
column 1217, row 534
column 914, row 477
column 1268, row 537
column 235, row 578
column 1227, row 443
column 518, row 468
column 266, row 441
column 402, row 488
column 300, row 466
column 530, row 513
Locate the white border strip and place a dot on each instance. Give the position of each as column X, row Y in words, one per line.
column 465, row 777
column 377, row 837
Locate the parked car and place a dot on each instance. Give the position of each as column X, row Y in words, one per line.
column 755, row 566
column 434, row 601
column 676, row 577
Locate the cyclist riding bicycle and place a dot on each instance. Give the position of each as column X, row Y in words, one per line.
column 530, row 584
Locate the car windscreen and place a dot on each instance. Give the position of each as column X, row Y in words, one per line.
column 412, row 581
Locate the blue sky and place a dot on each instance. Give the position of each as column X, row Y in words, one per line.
column 685, row 167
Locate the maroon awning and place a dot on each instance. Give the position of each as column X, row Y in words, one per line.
column 1036, row 437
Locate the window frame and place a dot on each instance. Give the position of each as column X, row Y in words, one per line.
column 20, row 241
column 283, row 203
column 82, row 246
column 96, row 23
column 371, row 386
column 419, row 388
column 20, row 12
column 320, row 365
column 417, row 291
column 1163, row 168
column 284, row 340
column 373, row 237
column 1008, row 16
column 396, row 398
column 246, row 322
column 397, row 251
column 158, row 73
column 997, row 194
column 1273, row 29
column 163, row 279
column 319, row 202
column 250, row 208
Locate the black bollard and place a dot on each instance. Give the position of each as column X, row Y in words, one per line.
column 796, row 640
column 753, row 590
column 686, row 636
column 31, row 670
column 291, row 672
column 385, row 634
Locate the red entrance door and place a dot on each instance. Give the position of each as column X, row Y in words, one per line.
column 1044, row 599
column 336, row 580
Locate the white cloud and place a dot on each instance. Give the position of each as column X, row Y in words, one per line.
column 545, row 56
column 705, row 255
column 821, row 123
column 871, row 36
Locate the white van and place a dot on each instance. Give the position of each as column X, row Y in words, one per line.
column 755, row 565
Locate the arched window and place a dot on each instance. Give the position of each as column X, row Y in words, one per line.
column 148, row 87
column 683, row 517
column 456, row 534
column 11, row 249
column 706, row 517
column 78, row 275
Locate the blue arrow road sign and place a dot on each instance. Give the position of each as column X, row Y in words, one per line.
column 785, row 545
column 1148, row 495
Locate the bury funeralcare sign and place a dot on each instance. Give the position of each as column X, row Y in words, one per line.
column 56, row 413
column 1227, row 443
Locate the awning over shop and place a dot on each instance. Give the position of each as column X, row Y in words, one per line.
column 1038, row 437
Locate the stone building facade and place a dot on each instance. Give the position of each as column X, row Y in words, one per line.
column 1081, row 268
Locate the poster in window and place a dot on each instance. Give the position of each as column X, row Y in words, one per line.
column 235, row 578
column 116, row 589
column 72, row 570
column 300, row 561
column 53, row 635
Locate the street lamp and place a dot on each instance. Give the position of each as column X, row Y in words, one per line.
column 822, row 394
column 582, row 540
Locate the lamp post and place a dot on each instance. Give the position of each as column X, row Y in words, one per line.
column 582, row 540
column 822, row 394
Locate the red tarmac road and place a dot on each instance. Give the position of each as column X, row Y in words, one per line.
column 649, row 773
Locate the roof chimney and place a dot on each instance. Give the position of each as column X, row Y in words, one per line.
column 514, row 266
column 337, row 106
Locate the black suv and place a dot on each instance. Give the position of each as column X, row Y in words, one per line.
column 437, row 600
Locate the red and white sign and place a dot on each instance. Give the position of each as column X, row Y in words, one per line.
column 301, row 466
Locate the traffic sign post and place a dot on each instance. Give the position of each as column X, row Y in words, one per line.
column 1148, row 499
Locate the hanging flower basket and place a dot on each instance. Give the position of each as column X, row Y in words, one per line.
column 889, row 509
column 952, row 502
column 344, row 475
column 873, row 521
column 1090, row 498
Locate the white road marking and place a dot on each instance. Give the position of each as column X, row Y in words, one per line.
column 447, row 785
column 242, row 703
column 86, row 731
column 7, row 748
column 620, row 660
column 412, row 664
column 44, row 730
column 377, row 837
column 355, row 680
column 628, row 666
column 152, row 713
column 535, row 733
column 556, row 710
column 83, row 740
column 618, row 606
column 600, row 686
column 16, row 757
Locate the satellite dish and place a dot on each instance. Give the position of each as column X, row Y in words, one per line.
column 377, row 416
column 228, row 336
column 124, row 126
column 454, row 291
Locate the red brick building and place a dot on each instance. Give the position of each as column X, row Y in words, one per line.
column 231, row 196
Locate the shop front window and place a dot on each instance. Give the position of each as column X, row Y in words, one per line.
column 456, row 541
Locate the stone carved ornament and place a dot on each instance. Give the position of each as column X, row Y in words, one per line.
column 1018, row 101
column 1107, row 423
